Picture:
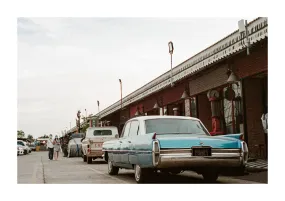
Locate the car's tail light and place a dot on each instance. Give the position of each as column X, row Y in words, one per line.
column 241, row 137
column 154, row 136
column 244, row 150
column 155, row 152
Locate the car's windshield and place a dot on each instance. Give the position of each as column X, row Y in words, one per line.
column 177, row 126
column 102, row 132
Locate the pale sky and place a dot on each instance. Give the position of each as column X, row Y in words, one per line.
column 67, row 64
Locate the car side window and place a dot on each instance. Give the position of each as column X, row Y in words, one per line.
column 126, row 130
column 21, row 143
column 134, row 128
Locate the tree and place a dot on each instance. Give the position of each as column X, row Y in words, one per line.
column 20, row 134
column 84, row 128
column 30, row 137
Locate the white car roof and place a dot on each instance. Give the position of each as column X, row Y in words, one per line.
column 162, row 117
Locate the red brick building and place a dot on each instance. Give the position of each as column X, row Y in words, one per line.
column 223, row 108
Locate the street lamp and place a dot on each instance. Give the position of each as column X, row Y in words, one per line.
column 78, row 116
column 121, row 90
column 98, row 103
column 171, row 49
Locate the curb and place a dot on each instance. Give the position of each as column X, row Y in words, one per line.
column 251, row 169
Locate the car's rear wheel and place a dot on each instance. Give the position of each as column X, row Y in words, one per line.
column 89, row 160
column 142, row 174
column 84, row 158
column 112, row 170
column 210, row 176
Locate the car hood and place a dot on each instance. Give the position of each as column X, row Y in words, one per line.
column 189, row 140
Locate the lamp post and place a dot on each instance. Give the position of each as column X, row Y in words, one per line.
column 121, row 90
column 98, row 103
column 171, row 48
column 78, row 116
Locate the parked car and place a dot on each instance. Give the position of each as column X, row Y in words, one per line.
column 20, row 150
column 74, row 147
column 172, row 144
column 32, row 147
column 26, row 148
column 95, row 137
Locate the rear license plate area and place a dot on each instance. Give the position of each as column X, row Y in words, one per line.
column 98, row 145
column 201, row 151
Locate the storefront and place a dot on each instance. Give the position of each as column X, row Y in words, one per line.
column 234, row 107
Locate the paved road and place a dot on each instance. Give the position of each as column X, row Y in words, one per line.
column 36, row 168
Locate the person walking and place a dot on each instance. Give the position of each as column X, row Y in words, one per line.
column 50, row 147
column 56, row 144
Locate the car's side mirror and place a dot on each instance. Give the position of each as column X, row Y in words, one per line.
column 116, row 136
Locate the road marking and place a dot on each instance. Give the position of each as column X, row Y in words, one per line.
column 99, row 172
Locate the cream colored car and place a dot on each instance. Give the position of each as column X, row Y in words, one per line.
column 94, row 139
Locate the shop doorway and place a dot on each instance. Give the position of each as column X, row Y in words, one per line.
column 255, row 92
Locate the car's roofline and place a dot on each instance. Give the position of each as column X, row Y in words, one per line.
column 104, row 127
column 162, row 117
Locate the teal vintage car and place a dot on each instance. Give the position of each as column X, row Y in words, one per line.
column 172, row 144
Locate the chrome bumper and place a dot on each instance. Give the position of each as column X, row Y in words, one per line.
column 175, row 161
column 184, row 159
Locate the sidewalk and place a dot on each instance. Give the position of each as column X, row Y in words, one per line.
column 261, row 177
column 257, row 165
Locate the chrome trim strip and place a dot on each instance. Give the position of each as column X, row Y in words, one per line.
column 218, row 155
column 167, row 151
column 214, row 150
column 143, row 151
column 188, row 161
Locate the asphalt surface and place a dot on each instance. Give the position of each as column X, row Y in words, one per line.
column 36, row 168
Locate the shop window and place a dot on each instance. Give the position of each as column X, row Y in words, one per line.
column 193, row 107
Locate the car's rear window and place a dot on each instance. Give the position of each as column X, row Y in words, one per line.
column 102, row 132
column 175, row 126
